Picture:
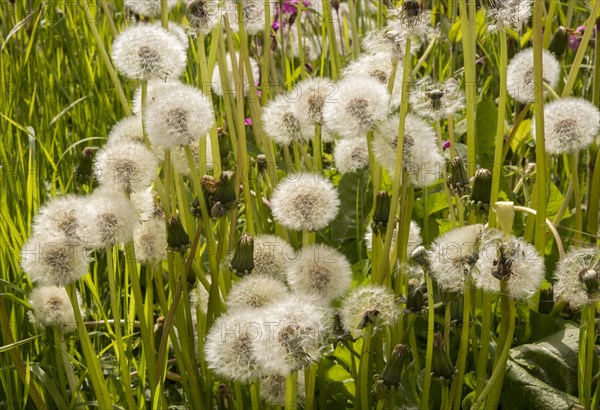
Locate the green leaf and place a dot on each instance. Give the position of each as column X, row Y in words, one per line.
column 435, row 201
column 543, row 375
column 487, row 118
column 555, row 201
column 355, row 203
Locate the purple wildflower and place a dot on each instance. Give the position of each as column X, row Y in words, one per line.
column 575, row 37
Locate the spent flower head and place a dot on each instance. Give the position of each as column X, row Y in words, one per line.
column 508, row 13
column 150, row 241
column 146, row 52
column 255, row 292
column 180, row 115
column 253, row 15
column 570, row 125
column 129, row 129
column 283, row 124
column 512, row 260
column 204, row 15
column 52, row 308
column 320, row 271
column 127, row 166
column 272, row 255
column 519, row 77
column 147, row 8
column 359, row 104
column 233, row 86
column 422, row 159
column 453, row 256
column 311, row 95
column 366, row 305
column 436, row 101
column 305, row 201
column 578, row 277
column 351, row 155
column 60, row 217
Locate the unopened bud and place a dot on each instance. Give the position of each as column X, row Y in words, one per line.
column 242, row 261
column 458, row 180
column 479, row 200
column 177, row 239
column 382, row 213
column 441, row 366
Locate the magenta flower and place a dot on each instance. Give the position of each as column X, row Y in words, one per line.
column 248, row 121
column 575, row 37
column 445, row 145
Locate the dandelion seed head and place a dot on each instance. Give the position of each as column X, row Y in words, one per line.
column 305, row 201
column 59, row 217
column 127, row 166
column 509, row 13
column 147, row 8
column 371, row 304
column 253, row 14
column 351, row 155
column 150, row 241
column 514, row 259
column 294, row 332
column 110, row 219
column 436, row 101
column 230, row 347
column 52, row 308
column 311, row 95
column 204, row 15
column 570, row 125
column 571, row 274
column 453, row 256
column 179, row 115
column 180, row 161
column 255, row 292
column 422, row 160
column 283, row 124
column 51, row 260
column 146, row 51
column 519, row 77
column 271, row 256
column 129, row 129
column 321, row 271
column 216, row 77
column 358, row 105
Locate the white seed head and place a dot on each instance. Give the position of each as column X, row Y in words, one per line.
column 294, row 331
column 272, row 390
column 180, row 33
column 230, row 347
column 110, row 219
column 126, row 166
column 129, row 129
column 509, row 13
column 310, row 96
column 147, row 8
column 150, row 241
column 414, row 238
column 146, row 52
column 283, row 124
column 320, row 271
column 305, row 201
column 52, row 308
column 198, row 305
column 422, row 159
column 216, row 77
column 204, row 15
column 351, row 155
column 255, row 292
column 144, row 204
column 359, row 104
column 155, row 88
column 436, row 101
column 453, row 256
column 519, row 77
column 515, row 259
column 253, row 15
column 570, row 125
column 59, row 217
column 272, row 255
column 371, row 304
column 51, row 260
column 571, row 273
column 180, row 115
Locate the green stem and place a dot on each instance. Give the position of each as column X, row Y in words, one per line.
column 463, row 349
column 310, row 381
column 164, row 14
column 587, row 355
column 384, row 266
column 497, row 168
column 354, row 28
column 467, row 22
column 255, row 395
column 119, row 345
column 429, row 351
column 576, row 195
column 333, row 50
column 494, row 386
column 291, row 391
column 99, row 385
column 594, row 199
column 540, row 146
column 364, row 371
column 486, row 323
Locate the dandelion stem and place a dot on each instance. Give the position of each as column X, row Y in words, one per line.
column 486, row 322
column 364, row 370
column 291, row 391
column 463, row 348
column 593, row 201
column 354, row 28
column 429, row 349
column 467, row 22
column 499, row 146
column 576, row 195
column 586, row 354
column 310, row 381
column 164, row 14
